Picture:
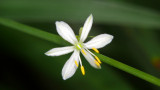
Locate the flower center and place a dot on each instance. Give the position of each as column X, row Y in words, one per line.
column 79, row 46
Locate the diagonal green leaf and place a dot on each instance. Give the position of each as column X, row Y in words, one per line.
column 32, row 31
column 56, row 39
column 130, row 70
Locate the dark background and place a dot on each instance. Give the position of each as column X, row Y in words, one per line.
column 135, row 25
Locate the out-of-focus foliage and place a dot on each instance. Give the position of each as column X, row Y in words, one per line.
column 134, row 25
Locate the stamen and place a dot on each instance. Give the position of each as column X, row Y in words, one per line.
column 94, row 56
column 76, row 63
column 90, row 52
column 96, row 63
column 98, row 59
column 82, row 70
column 83, row 52
column 96, row 50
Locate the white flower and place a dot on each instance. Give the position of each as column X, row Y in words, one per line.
column 65, row 31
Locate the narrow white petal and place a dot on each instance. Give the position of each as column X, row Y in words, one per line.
column 99, row 41
column 60, row 51
column 90, row 59
column 70, row 67
column 86, row 28
column 65, row 31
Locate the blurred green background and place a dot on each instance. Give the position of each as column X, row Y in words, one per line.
column 135, row 25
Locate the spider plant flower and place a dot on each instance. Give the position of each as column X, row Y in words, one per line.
column 65, row 31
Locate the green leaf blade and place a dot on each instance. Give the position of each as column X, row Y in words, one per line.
column 130, row 70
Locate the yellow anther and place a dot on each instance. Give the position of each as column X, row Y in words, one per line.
column 98, row 59
column 83, row 52
column 82, row 70
column 96, row 50
column 76, row 63
column 96, row 63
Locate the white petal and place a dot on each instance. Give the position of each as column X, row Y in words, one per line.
column 60, row 51
column 90, row 59
column 86, row 28
column 70, row 67
column 65, row 31
column 99, row 41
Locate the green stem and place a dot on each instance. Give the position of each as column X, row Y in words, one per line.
column 58, row 40
column 32, row 31
column 130, row 69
